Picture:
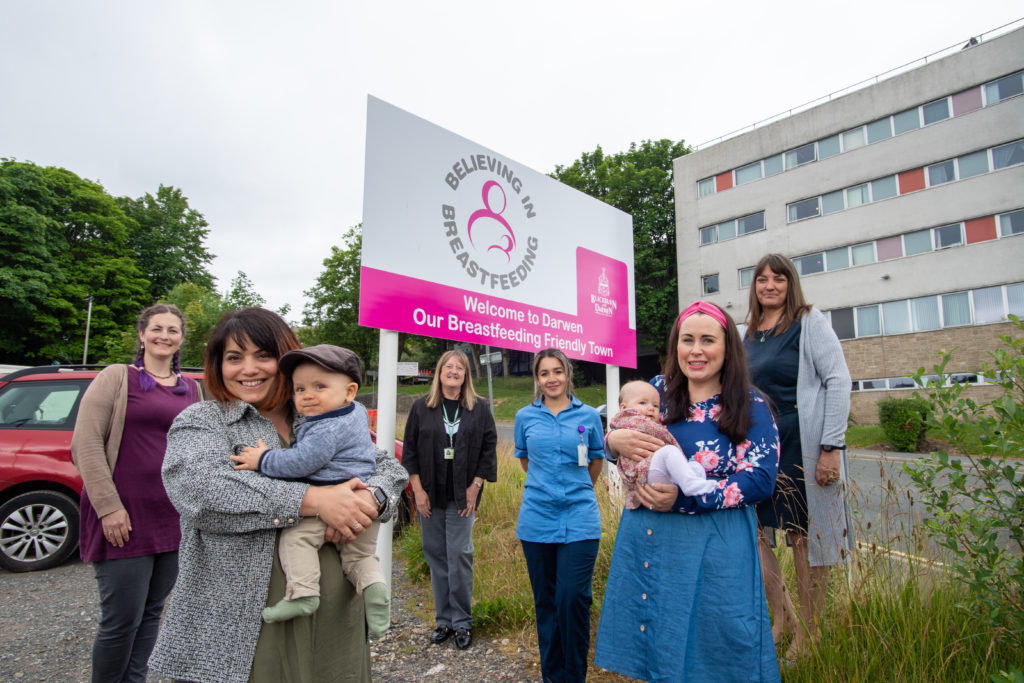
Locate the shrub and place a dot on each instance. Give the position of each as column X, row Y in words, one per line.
column 905, row 422
column 977, row 503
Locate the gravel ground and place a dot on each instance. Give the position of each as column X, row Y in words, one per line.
column 48, row 621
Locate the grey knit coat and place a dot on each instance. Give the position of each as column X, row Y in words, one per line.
column 823, row 403
column 229, row 520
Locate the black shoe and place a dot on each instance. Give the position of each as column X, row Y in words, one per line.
column 463, row 638
column 441, row 634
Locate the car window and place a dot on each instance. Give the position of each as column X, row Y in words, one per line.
column 40, row 405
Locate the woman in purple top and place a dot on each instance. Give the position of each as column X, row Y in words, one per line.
column 129, row 529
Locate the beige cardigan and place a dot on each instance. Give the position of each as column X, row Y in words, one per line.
column 97, row 439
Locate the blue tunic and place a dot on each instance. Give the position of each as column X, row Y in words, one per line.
column 685, row 600
column 559, row 504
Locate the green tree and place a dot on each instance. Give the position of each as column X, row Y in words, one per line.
column 167, row 238
column 28, row 268
column 242, row 294
column 332, row 314
column 202, row 308
column 639, row 182
column 86, row 245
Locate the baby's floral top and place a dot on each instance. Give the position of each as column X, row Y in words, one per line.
column 746, row 471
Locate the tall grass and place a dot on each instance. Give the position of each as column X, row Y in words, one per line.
column 891, row 614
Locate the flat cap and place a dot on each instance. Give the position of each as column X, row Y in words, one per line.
column 333, row 358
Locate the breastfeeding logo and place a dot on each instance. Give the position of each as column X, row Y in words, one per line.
column 603, row 302
column 486, row 222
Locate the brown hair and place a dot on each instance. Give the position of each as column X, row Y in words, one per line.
column 566, row 366
column 734, row 420
column 146, row 381
column 795, row 307
column 268, row 331
column 467, row 394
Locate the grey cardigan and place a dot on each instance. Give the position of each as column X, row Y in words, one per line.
column 229, row 520
column 823, row 403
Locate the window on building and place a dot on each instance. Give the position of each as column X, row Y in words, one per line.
column 868, row 321
column 726, row 230
column 889, row 248
column 1015, row 299
column 708, row 235
column 868, row 384
column 942, row 172
column 800, row 156
column 808, row 208
column 842, row 323
column 1011, row 223
column 747, row 173
column 705, row 187
column 956, row 309
column 917, row 242
column 948, row 236
column 906, row 121
column 837, row 259
column 883, row 188
column 901, row 383
column 812, row 263
column 829, row 147
column 879, row 130
column 988, row 305
column 1008, row 155
column 924, row 313
column 746, row 277
column 852, row 139
column 709, row 284
column 1007, row 86
column 863, row 253
column 972, row 164
column 896, row 317
column 773, row 165
column 936, row 111
column 855, row 196
column 752, row 223
column 832, row 202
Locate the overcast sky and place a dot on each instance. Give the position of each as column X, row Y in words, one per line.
column 257, row 110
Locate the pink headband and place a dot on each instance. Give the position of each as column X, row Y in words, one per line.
column 707, row 309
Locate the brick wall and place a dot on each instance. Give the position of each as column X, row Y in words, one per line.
column 899, row 355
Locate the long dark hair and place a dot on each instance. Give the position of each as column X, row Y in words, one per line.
column 734, row 420
column 146, row 381
column 794, row 308
column 268, row 331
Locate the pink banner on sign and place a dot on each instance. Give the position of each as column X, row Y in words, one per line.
column 598, row 332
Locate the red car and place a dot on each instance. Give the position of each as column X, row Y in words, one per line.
column 39, row 485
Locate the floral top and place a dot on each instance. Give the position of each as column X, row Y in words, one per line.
column 746, row 471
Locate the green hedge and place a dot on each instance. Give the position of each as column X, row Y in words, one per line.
column 905, row 422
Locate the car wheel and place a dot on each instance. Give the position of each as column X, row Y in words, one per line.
column 38, row 530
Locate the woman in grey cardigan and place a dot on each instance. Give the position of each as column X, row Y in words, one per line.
column 228, row 567
column 796, row 360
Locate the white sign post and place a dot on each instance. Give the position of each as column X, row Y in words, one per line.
column 463, row 243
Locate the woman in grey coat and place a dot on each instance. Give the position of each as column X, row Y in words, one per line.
column 228, row 567
column 796, row 360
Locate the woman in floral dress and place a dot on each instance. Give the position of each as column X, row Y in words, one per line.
column 685, row 600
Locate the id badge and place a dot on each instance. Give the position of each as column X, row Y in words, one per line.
column 581, row 455
column 449, row 454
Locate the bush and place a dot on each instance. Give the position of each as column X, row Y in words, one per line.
column 977, row 503
column 905, row 422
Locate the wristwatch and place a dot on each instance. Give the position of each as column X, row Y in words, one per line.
column 829, row 449
column 381, row 498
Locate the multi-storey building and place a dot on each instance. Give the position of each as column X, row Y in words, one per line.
column 901, row 203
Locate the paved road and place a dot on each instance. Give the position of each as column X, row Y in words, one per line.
column 886, row 510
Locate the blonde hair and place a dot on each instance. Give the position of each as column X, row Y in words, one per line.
column 625, row 387
column 467, row 394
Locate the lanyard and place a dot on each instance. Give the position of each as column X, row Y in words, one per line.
column 449, row 425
